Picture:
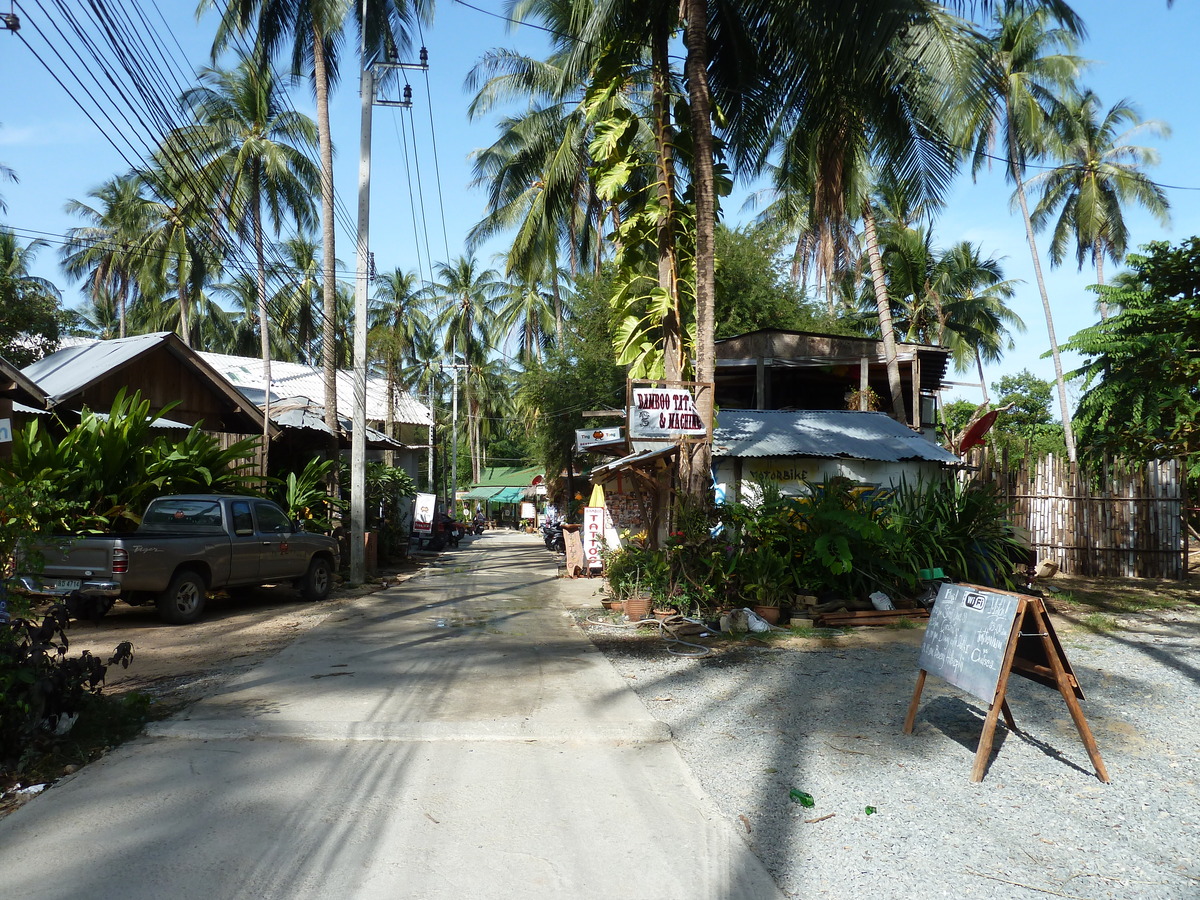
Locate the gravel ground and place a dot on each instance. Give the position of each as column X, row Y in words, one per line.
column 826, row 718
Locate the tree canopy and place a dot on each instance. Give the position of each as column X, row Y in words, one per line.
column 1141, row 369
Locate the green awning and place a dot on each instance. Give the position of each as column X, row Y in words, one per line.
column 481, row 493
column 509, row 495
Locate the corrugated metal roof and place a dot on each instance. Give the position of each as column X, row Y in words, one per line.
column 79, row 362
column 75, row 365
column 155, row 423
column 638, row 458
column 298, row 380
column 822, row 434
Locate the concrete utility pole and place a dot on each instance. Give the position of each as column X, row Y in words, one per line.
column 454, row 426
column 358, row 445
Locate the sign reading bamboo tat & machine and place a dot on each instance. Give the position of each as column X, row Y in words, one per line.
column 976, row 638
column 662, row 412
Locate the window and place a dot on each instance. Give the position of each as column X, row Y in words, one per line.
column 182, row 514
column 242, row 523
column 271, row 519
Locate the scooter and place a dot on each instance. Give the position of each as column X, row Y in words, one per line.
column 553, row 536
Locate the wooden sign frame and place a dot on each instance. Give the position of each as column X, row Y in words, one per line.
column 1034, row 652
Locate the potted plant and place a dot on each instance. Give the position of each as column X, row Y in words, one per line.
column 766, row 584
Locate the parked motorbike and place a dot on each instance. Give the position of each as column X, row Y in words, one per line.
column 553, row 536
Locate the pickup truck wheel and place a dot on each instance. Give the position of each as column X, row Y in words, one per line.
column 318, row 581
column 183, row 602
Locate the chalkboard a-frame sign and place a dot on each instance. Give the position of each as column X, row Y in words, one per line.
column 977, row 637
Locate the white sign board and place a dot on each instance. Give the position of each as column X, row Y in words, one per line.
column 423, row 513
column 589, row 437
column 527, row 511
column 663, row 412
column 5, row 431
column 598, row 532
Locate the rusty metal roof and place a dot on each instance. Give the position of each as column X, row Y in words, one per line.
column 822, row 434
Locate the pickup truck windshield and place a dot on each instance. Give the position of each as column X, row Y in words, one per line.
column 201, row 516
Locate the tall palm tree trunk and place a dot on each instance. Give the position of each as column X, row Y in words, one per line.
column 695, row 474
column 884, row 307
column 668, row 263
column 328, row 250
column 1068, row 432
column 263, row 324
column 1098, row 255
column 185, row 330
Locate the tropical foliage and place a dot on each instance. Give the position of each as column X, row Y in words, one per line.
column 1141, row 366
column 106, row 470
column 612, row 155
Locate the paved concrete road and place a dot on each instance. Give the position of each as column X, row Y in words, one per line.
column 452, row 737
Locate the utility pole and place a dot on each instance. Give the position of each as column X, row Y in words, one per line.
column 429, row 484
column 454, row 423
column 358, row 439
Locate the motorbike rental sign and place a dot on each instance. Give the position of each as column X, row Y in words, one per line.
column 663, row 412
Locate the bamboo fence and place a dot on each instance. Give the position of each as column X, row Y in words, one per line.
column 1114, row 518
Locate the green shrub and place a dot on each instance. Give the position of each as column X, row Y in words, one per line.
column 41, row 686
column 963, row 529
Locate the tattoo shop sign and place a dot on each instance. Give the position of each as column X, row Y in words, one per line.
column 663, row 412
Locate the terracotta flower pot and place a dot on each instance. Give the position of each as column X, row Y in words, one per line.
column 637, row 608
column 662, row 614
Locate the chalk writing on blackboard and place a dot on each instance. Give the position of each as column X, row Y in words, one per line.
column 967, row 638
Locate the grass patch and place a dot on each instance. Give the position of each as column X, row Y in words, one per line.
column 1099, row 622
column 104, row 722
column 901, row 624
column 1123, row 596
column 811, row 631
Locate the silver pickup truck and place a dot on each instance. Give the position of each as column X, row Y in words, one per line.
column 186, row 546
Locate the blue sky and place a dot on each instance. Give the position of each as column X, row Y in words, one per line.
column 1142, row 51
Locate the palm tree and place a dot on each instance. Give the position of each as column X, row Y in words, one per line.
column 95, row 318
column 6, row 174
column 253, row 156
column 974, row 316
column 315, row 29
column 1031, row 67
column 843, row 102
column 101, row 252
column 468, row 319
column 297, row 300
column 536, row 172
column 397, row 319
column 530, row 314
column 1099, row 173
column 178, row 250
column 244, row 335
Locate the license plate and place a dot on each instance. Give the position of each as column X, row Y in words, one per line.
column 70, row 584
